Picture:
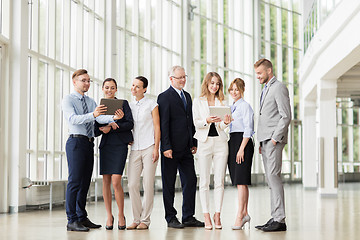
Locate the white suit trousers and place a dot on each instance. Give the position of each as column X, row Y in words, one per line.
column 214, row 151
column 140, row 161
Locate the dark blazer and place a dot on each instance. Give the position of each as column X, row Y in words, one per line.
column 122, row 134
column 176, row 122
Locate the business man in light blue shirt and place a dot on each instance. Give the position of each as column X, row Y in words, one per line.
column 80, row 112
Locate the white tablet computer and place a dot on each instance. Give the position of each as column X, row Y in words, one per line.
column 112, row 105
column 220, row 111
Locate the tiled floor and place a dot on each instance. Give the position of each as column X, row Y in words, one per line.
column 309, row 217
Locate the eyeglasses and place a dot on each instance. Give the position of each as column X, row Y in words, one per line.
column 85, row 81
column 178, row 78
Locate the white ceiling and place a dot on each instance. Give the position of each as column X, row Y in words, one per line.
column 348, row 85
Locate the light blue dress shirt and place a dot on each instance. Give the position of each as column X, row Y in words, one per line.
column 243, row 116
column 75, row 117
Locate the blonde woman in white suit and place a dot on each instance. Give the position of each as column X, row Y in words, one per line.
column 212, row 145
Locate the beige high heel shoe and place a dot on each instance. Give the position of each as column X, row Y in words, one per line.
column 245, row 219
column 210, row 226
column 217, row 226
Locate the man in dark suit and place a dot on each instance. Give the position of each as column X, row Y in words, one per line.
column 177, row 147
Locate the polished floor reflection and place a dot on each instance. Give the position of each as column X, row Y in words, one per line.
column 308, row 217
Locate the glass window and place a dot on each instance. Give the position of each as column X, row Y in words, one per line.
column 356, row 144
column 203, row 38
column 273, row 23
column 43, row 22
column 58, row 30
column 76, row 43
column 142, row 4
column 284, row 27
column 41, row 106
column 345, row 144
column 262, row 21
column 79, row 32
column 57, row 110
column 128, row 58
column 141, row 59
column 129, row 13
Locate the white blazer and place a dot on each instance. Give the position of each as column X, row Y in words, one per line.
column 201, row 111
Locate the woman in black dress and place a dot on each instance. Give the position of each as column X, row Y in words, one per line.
column 241, row 149
column 113, row 152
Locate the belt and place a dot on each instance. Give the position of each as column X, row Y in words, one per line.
column 82, row 136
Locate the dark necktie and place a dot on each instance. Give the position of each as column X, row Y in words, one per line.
column 87, row 125
column 183, row 99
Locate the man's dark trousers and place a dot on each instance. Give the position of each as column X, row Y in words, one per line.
column 183, row 161
column 80, row 157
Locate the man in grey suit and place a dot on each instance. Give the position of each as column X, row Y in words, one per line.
column 274, row 120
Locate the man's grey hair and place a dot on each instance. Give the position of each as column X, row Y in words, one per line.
column 173, row 69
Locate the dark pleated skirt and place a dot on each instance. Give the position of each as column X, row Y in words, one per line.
column 240, row 174
column 113, row 158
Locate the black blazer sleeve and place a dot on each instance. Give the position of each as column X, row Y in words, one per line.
column 96, row 128
column 164, row 112
column 189, row 112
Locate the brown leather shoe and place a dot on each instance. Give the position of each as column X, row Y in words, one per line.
column 142, row 226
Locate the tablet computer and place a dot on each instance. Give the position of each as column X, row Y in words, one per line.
column 112, row 105
column 220, row 111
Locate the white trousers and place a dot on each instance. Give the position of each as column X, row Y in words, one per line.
column 214, row 151
column 140, row 161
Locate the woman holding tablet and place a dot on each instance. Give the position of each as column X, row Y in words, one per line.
column 144, row 153
column 241, row 149
column 113, row 152
column 212, row 145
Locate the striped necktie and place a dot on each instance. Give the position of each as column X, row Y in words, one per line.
column 88, row 126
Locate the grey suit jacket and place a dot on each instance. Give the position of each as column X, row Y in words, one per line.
column 275, row 113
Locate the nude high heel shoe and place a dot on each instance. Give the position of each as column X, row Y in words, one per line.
column 208, row 227
column 217, row 226
column 245, row 219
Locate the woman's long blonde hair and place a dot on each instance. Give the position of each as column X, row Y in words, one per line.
column 204, row 86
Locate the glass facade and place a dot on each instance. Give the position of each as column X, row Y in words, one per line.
column 63, row 36
column 320, row 10
column 149, row 37
column 280, row 42
column 348, row 135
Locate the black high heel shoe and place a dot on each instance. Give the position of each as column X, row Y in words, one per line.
column 124, row 226
column 112, row 225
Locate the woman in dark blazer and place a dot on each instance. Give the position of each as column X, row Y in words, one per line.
column 113, row 152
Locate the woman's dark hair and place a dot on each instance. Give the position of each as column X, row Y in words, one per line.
column 144, row 80
column 109, row 80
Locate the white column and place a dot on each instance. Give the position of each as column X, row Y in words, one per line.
column 309, row 172
column 327, row 132
column 4, row 128
column 18, row 103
